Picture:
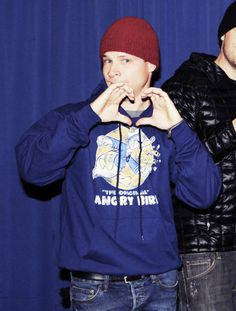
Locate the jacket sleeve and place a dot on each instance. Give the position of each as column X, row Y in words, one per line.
column 45, row 150
column 219, row 138
column 196, row 177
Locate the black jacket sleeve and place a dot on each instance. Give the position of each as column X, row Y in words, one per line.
column 196, row 106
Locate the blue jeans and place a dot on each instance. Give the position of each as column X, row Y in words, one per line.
column 155, row 292
column 207, row 282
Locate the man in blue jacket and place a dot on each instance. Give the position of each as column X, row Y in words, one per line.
column 118, row 154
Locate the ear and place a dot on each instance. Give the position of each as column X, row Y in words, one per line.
column 222, row 38
column 151, row 67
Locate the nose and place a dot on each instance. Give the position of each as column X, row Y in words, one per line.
column 113, row 70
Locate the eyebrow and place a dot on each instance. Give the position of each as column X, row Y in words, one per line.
column 125, row 55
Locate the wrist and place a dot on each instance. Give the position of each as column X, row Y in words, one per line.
column 169, row 130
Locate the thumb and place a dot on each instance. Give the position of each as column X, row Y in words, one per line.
column 143, row 121
column 124, row 119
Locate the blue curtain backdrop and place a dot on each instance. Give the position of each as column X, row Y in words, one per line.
column 49, row 57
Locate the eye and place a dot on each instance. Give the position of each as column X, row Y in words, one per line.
column 106, row 61
column 125, row 60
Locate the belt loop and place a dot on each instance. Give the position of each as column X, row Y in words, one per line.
column 126, row 280
column 106, row 282
column 218, row 255
column 154, row 278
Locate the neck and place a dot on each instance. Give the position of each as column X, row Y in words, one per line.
column 226, row 66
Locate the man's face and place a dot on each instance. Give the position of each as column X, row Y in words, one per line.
column 229, row 47
column 127, row 68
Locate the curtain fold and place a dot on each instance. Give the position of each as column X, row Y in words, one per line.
column 49, row 57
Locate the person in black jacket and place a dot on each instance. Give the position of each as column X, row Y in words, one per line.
column 204, row 91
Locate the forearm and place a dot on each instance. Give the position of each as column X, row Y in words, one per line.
column 197, row 178
column 219, row 137
column 46, row 149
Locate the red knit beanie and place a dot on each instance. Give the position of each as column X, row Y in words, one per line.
column 134, row 36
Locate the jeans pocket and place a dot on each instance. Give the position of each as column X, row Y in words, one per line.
column 200, row 267
column 84, row 291
column 167, row 280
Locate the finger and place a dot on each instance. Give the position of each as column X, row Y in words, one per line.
column 129, row 92
column 157, row 100
column 119, row 95
column 112, row 88
column 144, row 121
column 153, row 90
column 121, row 85
column 116, row 85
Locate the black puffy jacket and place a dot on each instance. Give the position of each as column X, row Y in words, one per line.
column 206, row 98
